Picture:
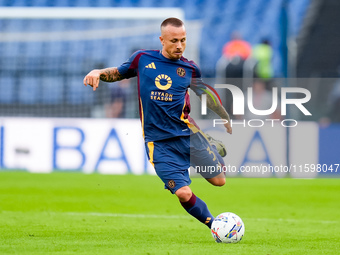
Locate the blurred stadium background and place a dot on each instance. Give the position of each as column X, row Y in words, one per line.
column 48, row 116
column 51, row 123
column 42, row 61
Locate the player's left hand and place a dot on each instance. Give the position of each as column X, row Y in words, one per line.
column 228, row 127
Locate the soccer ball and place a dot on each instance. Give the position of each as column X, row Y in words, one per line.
column 227, row 228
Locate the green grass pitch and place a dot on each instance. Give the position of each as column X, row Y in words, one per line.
column 71, row 213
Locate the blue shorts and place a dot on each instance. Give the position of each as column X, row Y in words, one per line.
column 172, row 158
column 204, row 157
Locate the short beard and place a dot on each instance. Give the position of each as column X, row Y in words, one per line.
column 177, row 57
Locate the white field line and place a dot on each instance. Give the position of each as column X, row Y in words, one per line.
column 295, row 220
column 126, row 215
column 162, row 216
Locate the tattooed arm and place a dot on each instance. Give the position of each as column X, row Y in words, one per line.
column 215, row 105
column 110, row 74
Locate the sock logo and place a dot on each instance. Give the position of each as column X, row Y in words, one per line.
column 171, row 184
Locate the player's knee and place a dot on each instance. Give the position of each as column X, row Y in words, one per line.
column 184, row 194
column 218, row 182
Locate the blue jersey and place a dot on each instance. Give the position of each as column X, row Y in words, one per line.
column 163, row 84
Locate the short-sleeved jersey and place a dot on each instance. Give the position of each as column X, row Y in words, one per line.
column 163, row 92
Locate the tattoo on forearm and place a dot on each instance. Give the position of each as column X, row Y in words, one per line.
column 217, row 108
column 111, row 75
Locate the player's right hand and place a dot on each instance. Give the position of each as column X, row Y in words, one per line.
column 92, row 79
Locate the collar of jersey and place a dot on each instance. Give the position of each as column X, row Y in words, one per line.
column 171, row 60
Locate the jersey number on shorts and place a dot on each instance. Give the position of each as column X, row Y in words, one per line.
column 211, row 152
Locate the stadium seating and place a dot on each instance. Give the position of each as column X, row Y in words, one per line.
column 253, row 19
column 7, row 86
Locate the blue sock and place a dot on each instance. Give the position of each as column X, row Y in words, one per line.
column 197, row 208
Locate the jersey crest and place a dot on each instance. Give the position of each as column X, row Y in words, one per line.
column 181, row 71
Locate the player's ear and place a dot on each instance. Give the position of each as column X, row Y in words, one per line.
column 162, row 40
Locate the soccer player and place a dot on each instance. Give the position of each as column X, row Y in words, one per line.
column 172, row 140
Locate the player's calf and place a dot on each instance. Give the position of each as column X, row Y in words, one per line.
column 195, row 206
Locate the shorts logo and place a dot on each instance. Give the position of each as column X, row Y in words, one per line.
column 171, row 184
column 163, row 82
column 180, row 71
